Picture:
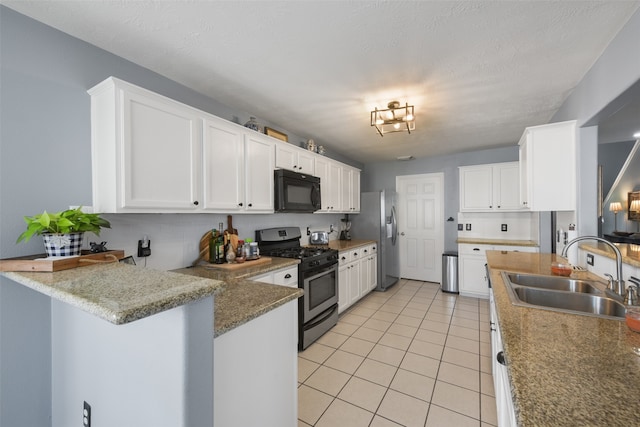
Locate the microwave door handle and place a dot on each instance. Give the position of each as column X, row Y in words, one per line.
column 315, row 195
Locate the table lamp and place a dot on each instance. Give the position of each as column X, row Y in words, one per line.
column 615, row 207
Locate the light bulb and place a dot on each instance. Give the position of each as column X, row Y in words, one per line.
column 396, row 125
column 636, row 135
column 409, row 117
column 389, row 115
column 379, row 121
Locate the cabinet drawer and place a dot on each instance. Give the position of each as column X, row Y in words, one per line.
column 288, row 277
column 344, row 257
column 532, row 249
column 469, row 249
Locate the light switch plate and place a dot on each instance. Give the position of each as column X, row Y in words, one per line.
column 590, row 259
column 460, row 227
column 468, row 227
column 503, row 227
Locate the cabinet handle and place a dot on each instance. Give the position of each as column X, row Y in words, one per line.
column 250, row 204
column 288, row 276
column 501, row 359
column 476, row 249
column 195, row 203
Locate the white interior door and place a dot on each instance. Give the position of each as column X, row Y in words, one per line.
column 421, row 226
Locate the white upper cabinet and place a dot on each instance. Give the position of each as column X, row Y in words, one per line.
column 294, row 158
column 224, row 166
column 259, row 152
column 350, row 197
column 329, row 173
column 490, row 187
column 548, row 167
column 146, row 151
column 238, row 169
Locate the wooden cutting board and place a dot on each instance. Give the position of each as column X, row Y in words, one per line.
column 40, row 262
column 236, row 266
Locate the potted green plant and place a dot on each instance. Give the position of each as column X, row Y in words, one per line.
column 63, row 231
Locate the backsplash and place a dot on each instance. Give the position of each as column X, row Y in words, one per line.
column 175, row 237
column 519, row 225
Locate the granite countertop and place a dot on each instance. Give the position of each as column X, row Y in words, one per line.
column 505, row 242
column 242, row 300
column 345, row 245
column 630, row 252
column 118, row 293
column 565, row 369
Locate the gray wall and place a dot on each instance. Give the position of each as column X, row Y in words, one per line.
column 629, row 180
column 382, row 175
column 612, row 157
column 615, row 72
column 45, row 163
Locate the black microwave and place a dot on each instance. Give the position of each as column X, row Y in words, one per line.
column 296, row 192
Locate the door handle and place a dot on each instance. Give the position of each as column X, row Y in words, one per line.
column 402, row 234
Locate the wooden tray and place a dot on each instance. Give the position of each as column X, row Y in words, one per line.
column 236, row 266
column 31, row 263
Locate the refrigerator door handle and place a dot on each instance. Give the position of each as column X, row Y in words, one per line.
column 394, row 226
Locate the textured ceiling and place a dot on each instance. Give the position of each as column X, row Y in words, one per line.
column 478, row 72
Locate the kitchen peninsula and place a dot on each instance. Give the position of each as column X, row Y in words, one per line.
column 564, row 369
column 138, row 344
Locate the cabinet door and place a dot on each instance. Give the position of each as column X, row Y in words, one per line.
column 551, row 166
column 344, row 301
column 524, row 172
column 373, row 266
column 259, row 163
column 365, row 271
column 161, row 152
column 286, row 157
column 223, row 167
column 476, row 188
column 345, row 196
column 354, row 282
column 322, row 172
column 306, row 162
column 335, row 187
column 473, row 281
column 355, row 191
column 506, row 183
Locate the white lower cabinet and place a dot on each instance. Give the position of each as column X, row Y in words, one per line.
column 285, row 277
column 471, row 268
column 357, row 274
column 504, row 400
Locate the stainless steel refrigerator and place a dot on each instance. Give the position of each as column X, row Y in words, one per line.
column 377, row 221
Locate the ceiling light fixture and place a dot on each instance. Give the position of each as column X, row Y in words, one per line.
column 394, row 119
column 636, row 135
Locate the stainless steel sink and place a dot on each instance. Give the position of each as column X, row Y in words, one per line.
column 561, row 294
column 554, row 283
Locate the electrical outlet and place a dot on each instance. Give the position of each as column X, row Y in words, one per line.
column 503, row 227
column 460, row 227
column 144, row 247
column 86, row 415
column 590, row 259
column 468, row 227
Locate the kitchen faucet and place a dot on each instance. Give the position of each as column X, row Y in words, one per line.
column 618, row 287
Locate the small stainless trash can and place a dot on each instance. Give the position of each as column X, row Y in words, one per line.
column 450, row 272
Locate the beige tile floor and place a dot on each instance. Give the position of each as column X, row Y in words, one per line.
column 411, row 356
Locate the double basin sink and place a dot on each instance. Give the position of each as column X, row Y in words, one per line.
column 563, row 294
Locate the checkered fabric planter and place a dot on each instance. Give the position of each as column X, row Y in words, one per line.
column 62, row 244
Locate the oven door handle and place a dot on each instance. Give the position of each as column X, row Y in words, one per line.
column 322, row 272
column 321, row 317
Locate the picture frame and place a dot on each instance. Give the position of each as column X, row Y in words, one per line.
column 631, row 196
column 276, row 134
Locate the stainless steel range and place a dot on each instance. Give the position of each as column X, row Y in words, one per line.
column 317, row 275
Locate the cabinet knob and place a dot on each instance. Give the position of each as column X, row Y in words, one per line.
column 250, row 204
column 490, row 207
column 196, row 203
column 240, row 204
column 498, row 206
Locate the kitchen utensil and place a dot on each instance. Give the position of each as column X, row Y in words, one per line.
column 204, row 248
column 319, row 238
column 230, row 228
